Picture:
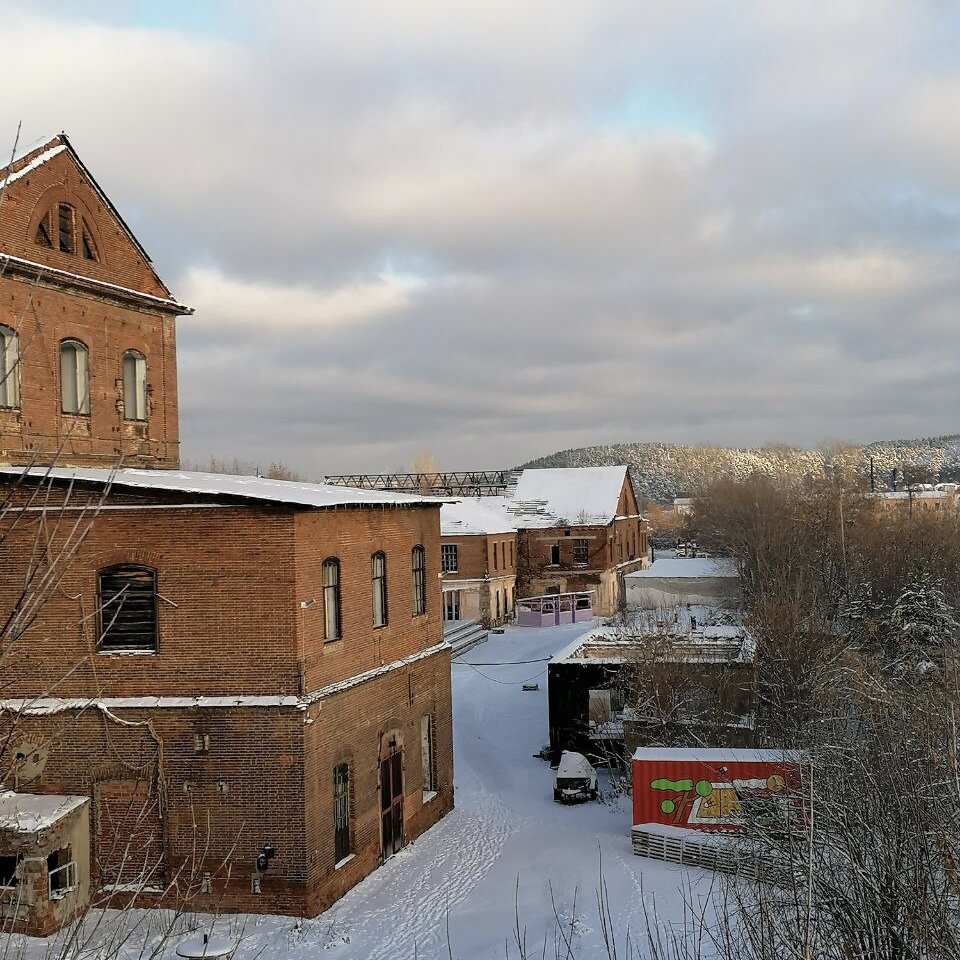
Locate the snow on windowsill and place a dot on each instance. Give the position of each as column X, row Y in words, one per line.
column 344, row 861
column 429, row 795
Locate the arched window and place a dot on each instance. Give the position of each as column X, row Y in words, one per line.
column 331, row 599
column 341, row 812
column 419, row 570
column 9, row 368
column 378, row 574
column 134, row 385
column 65, row 228
column 74, row 378
column 127, row 600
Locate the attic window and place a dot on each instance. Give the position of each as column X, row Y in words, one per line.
column 65, row 221
column 88, row 247
column 43, row 234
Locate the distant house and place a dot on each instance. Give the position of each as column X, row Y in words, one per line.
column 683, row 506
column 658, row 678
column 478, row 561
column 668, row 581
column 578, row 529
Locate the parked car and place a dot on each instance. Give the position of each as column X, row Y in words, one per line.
column 576, row 779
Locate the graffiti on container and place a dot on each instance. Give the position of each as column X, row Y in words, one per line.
column 704, row 803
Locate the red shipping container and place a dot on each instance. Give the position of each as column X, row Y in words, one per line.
column 706, row 789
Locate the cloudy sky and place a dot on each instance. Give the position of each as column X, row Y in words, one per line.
column 492, row 230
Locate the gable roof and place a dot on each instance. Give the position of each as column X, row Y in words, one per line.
column 37, row 154
column 567, row 496
column 217, row 485
column 475, row 515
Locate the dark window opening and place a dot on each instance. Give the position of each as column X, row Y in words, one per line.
column 449, row 560
column 341, row 812
column 555, row 555
column 418, row 563
column 43, row 234
column 62, row 871
column 8, row 870
column 65, row 221
column 88, row 247
column 128, row 608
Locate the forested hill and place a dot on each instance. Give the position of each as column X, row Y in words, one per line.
column 662, row 471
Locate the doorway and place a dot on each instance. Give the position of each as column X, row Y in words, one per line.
column 391, row 799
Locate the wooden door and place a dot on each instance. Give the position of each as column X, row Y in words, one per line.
column 391, row 802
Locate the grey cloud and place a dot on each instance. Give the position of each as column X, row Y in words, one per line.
column 450, row 227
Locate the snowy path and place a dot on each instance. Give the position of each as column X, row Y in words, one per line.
column 506, row 830
column 504, row 848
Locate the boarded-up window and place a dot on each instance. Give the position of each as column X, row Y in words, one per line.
column 419, row 572
column 378, row 571
column 341, row 812
column 331, row 599
column 128, row 608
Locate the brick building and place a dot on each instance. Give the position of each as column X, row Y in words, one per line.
column 578, row 529
column 274, row 668
column 240, row 686
column 88, row 371
column 478, row 561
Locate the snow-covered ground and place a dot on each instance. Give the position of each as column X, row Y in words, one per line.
column 506, row 850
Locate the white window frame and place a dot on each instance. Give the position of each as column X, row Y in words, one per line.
column 451, row 605
column 74, row 377
column 134, row 369
column 9, row 368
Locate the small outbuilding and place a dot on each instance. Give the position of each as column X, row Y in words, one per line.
column 668, row 581
column 44, row 861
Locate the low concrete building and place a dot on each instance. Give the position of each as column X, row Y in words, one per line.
column 668, row 581
column 656, row 679
column 44, row 861
column 478, row 561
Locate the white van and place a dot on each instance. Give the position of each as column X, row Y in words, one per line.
column 576, row 779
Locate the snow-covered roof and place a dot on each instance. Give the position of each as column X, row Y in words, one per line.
column 227, row 485
column 566, row 496
column 29, row 812
column 691, row 635
column 683, row 568
column 475, row 515
column 37, row 161
column 717, row 755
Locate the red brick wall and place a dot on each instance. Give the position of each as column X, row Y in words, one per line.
column 267, row 779
column 229, row 626
column 352, row 537
column 46, row 311
column 232, row 579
